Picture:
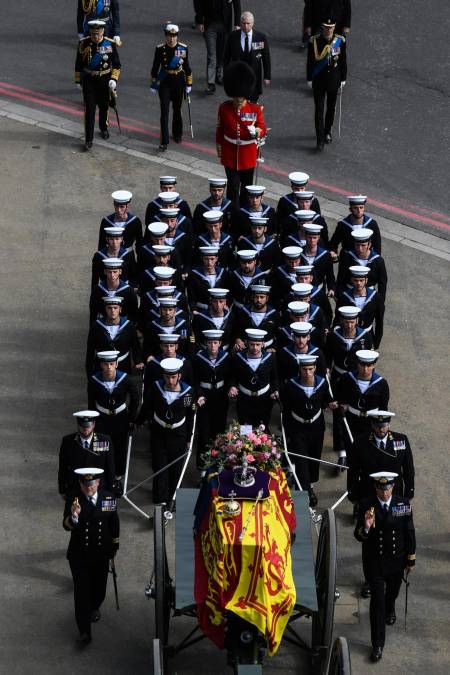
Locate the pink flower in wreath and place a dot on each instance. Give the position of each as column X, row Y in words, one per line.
column 250, row 458
column 266, row 455
column 264, row 438
column 257, row 441
column 238, row 442
column 214, row 453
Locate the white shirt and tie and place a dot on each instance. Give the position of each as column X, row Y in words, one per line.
column 246, row 39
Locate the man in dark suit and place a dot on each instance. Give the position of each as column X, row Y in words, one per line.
column 213, row 18
column 252, row 47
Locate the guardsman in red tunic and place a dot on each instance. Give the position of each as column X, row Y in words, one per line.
column 239, row 126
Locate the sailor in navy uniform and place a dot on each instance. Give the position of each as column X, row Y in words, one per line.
column 288, row 357
column 319, row 257
column 86, row 446
column 214, row 236
column 358, row 392
column 151, row 300
column 97, row 71
column 304, row 399
column 167, row 184
column 168, row 349
column 217, row 316
column 157, row 256
column 303, row 293
column 288, row 203
column 293, row 233
column 113, row 285
column 385, row 527
column 356, row 219
column 366, row 299
column 257, row 314
column 107, row 11
column 113, row 332
column 171, row 77
column 254, row 380
column 363, row 254
column 169, row 408
column 177, row 237
column 170, row 199
column 245, row 275
column 266, row 245
column 212, row 373
column 170, row 320
column 284, row 275
column 253, row 207
column 208, row 274
column 90, row 515
column 217, row 201
column 299, row 310
column 305, row 275
column 113, row 394
column 122, row 217
column 114, row 249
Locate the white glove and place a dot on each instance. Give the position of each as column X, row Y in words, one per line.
column 152, row 90
column 252, row 130
column 78, row 85
column 112, row 84
column 343, row 84
column 117, row 40
column 309, row 84
column 80, row 36
column 188, row 90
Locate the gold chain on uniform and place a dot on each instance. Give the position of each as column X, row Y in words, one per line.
column 88, row 6
column 325, row 51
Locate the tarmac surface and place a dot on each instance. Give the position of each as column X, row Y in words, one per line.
column 53, row 197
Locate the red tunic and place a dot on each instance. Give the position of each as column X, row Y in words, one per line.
column 238, row 149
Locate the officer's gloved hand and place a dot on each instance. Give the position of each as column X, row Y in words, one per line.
column 80, row 36
column 188, row 90
column 309, row 84
column 112, row 84
column 78, row 85
column 117, row 40
column 252, row 130
column 152, row 90
column 343, row 84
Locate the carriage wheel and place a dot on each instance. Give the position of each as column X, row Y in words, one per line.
column 340, row 658
column 325, row 572
column 161, row 580
column 158, row 658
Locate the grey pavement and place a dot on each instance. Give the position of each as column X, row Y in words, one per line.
column 53, row 196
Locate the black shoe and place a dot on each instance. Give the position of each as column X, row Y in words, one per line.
column 84, row 639
column 320, row 145
column 391, row 618
column 178, row 139
column 104, row 134
column 365, row 590
column 219, row 80
column 210, row 89
column 162, row 147
column 377, row 653
column 95, row 615
column 342, row 461
column 313, row 501
column 88, row 146
column 328, row 137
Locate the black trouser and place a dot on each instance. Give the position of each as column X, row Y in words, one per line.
column 95, row 93
column 237, row 180
column 307, row 439
column 254, row 410
column 90, row 577
column 322, row 127
column 211, row 420
column 384, row 591
column 166, row 445
column 117, row 427
column 171, row 89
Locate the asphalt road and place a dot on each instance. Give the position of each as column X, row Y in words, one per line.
column 395, row 132
column 53, row 197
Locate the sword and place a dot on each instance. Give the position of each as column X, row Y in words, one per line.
column 405, row 579
column 113, row 105
column 188, row 100
column 114, row 575
column 340, row 110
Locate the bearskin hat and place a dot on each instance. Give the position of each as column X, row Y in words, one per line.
column 238, row 80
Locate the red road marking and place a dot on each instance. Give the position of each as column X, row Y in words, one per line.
column 48, row 101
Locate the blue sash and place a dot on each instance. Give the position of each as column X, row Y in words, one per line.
column 162, row 73
column 320, row 65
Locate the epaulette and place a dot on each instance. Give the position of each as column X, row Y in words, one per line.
column 182, row 44
column 85, row 38
column 161, row 45
column 109, row 39
column 314, row 36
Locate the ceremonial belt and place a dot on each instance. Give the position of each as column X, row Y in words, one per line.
column 166, row 425
column 124, row 356
column 114, row 411
column 358, row 413
column 173, row 72
column 208, row 385
column 305, row 421
column 237, row 141
column 341, row 371
column 96, row 73
column 258, row 392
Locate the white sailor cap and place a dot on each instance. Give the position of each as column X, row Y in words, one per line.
column 304, row 194
column 357, row 199
column 158, row 229
column 292, row 251
column 380, row 416
column 247, row 254
column 313, row 228
column 208, row 250
column 359, row 270
column 258, row 220
column 169, row 338
column 255, row 334
column 213, row 216
column 88, row 474
column 162, row 249
column 171, row 365
column 304, row 215
column 298, row 307
column 168, row 197
column 303, row 269
column 115, row 231
column 298, row 178
column 218, row 292
column 301, row 327
column 171, row 28
column 112, row 299
column 307, row 359
column 165, row 290
column 86, row 417
column 167, row 180
column 366, row 355
column 362, row 234
column 301, row 289
column 384, row 478
column 112, row 263
column 121, row 196
column 217, row 182
column 169, row 212
column 163, row 272
column 348, row 311
column 168, row 302
column 109, row 355
column 96, row 23
column 255, row 190
column 259, row 288
column 213, row 334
